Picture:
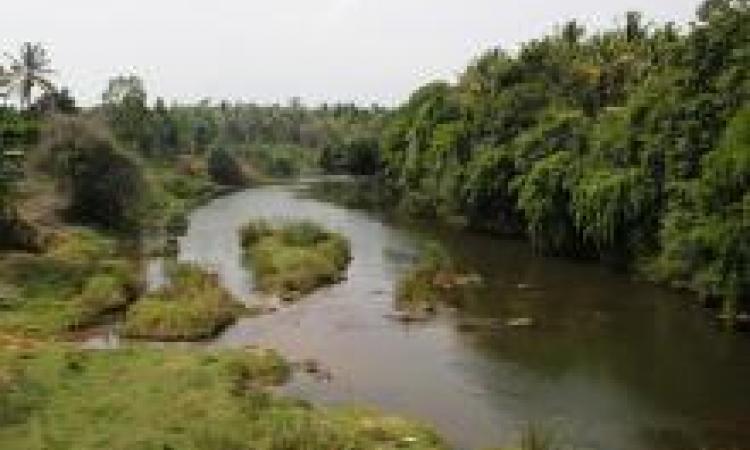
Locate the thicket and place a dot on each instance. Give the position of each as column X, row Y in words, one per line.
column 225, row 169
column 106, row 184
column 628, row 145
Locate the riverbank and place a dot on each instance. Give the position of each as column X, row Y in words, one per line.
column 199, row 399
column 55, row 394
column 500, row 373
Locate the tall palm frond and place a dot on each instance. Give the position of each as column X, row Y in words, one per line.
column 29, row 70
column 5, row 80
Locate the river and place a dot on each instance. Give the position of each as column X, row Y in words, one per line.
column 611, row 363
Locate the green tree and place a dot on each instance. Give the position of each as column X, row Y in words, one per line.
column 106, row 184
column 124, row 103
column 225, row 169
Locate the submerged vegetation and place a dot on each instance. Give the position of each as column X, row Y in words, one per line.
column 295, row 258
column 433, row 282
column 193, row 306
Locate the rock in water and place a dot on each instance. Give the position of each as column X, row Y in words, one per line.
column 520, row 322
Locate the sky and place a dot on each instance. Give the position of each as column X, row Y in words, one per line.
column 362, row 51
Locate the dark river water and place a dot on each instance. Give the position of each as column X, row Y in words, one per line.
column 610, row 363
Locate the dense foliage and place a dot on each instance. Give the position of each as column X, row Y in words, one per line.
column 276, row 140
column 225, row 169
column 627, row 145
column 106, row 184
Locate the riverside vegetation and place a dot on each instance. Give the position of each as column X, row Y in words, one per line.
column 434, row 281
column 82, row 193
column 198, row 399
column 192, row 306
column 630, row 146
column 294, row 259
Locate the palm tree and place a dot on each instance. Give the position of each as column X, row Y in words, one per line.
column 29, row 70
column 4, row 85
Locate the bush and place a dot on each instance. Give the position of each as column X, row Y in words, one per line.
column 225, row 169
column 435, row 280
column 16, row 233
column 106, row 184
column 102, row 293
column 194, row 306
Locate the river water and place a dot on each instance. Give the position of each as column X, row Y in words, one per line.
column 610, row 363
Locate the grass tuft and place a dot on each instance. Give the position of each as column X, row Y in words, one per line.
column 295, row 258
column 193, row 306
column 434, row 281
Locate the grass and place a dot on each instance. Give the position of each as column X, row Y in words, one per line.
column 139, row 398
column 295, row 258
column 434, row 281
column 81, row 277
column 177, row 188
column 193, row 306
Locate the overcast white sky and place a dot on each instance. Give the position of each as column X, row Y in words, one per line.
column 268, row 51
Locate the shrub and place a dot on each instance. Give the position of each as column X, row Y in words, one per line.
column 433, row 281
column 106, row 184
column 225, row 169
column 102, row 293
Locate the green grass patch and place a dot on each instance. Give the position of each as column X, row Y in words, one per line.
column 139, row 398
column 295, row 258
column 194, row 306
column 79, row 279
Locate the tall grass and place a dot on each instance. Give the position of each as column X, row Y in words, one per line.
column 193, row 306
column 80, row 277
column 294, row 258
column 434, row 281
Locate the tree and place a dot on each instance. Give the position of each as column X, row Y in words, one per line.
column 105, row 183
column 59, row 101
column 4, row 85
column 30, row 70
column 572, row 32
column 623, row 145
column 124, row 103
column 225, row 169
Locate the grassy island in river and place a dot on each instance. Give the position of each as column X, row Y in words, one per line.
column 295, row 258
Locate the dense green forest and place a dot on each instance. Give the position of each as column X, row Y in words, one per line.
column 630, row 145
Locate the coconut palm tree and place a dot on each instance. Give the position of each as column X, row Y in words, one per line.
column 4, row 85
column 29, row 70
